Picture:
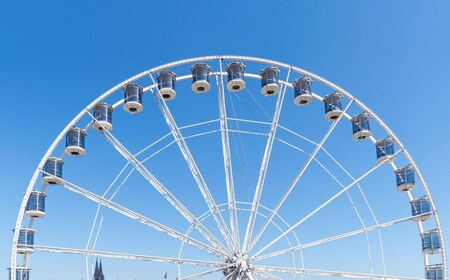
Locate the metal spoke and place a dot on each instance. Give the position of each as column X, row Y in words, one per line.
column 193, row 166
column 322, row 206
column 351, row 177
column 126, row 256
column 366, row 202
column 228, row 276
column 264, row 165
column 201, row 274
column 298, row 176
column 265, row 274
column 350, row 199
column 227, row 159
column 162, row 189
column 111, row 94
column 342, row 274
column 250, row 276
column 336, row 237
column 142, row 219
column 129, row 173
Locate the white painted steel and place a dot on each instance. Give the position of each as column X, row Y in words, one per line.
column 342, row 274
column 194, row 168
column 298, row 177
column 126, row 256
column 163, row 190
column 278, row 227
column 316, row 78
column 227, row 160
column 264, row 166
column 336, row 237
column 142, row 219
column 319, row 208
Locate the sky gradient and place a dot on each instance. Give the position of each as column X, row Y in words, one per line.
column 56, row 57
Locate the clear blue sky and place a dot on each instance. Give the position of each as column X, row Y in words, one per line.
column 56, row 57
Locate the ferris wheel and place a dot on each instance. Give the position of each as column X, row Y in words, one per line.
column 238, row 168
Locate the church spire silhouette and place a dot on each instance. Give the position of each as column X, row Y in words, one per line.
column 98, row 271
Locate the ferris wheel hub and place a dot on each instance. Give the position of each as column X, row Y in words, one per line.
column 240, row 265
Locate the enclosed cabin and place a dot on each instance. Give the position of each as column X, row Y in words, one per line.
column 26, row 239
column 35, row 207
column 103, row 117
column 421, row 209
column 434, row 272
column 52, row 171
column 333, row 106
column 385, row 150
column 22, row 273
column 200, row 78
column 269, row 81
column 302, row 91
column 75, row 140
column 166, row 84
column 132, row 98
column 406, row 179
column 235, row 71
column 361, row 127
column 431, row 242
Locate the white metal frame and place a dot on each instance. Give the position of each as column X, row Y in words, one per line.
column 231, row 238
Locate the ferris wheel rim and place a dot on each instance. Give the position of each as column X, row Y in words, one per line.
column 153, row 70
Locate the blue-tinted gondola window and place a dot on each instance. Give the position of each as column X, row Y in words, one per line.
column 436, row 242
column 75, row 137
column 26, row 238
column 305, row 86
column 410, row 178
column 200, row 73
column 389, row 149
column 166, row 80
column 22, row 274
column 133, row 93
column 400, row 178
column 103, row 112
column 333, row 102
column 425, row 205
column 431, row 274
column 53, row 167
column 235, row 71
column 420, row 206
column 269, row 76
column 36, row 202
column 426, row 242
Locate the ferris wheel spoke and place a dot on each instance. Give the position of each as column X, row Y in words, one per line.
column 162, row 190
column 142, row 219
column 322, row 206
column 298, row 177
column 264, row 165
column 350, row 199
column 342, row 274
column 265, row 274
column 336, row 237
column 229, row 275
column 193, row 167
column 352, row 178
column 383, row 261
column 126, row 256
column 201, row 274
column 227, row 158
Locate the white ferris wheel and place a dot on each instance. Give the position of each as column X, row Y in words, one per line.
column 234, row 170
